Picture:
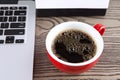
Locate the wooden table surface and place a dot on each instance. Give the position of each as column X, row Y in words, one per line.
column 108, row 67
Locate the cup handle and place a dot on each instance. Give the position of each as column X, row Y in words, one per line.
column 100, row 28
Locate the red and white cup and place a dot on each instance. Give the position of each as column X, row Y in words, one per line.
column 95, row 32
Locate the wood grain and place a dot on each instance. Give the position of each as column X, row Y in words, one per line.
column 108, row 67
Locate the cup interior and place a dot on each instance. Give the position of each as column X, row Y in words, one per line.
column 76, row 26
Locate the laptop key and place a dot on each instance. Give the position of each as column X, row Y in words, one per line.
column 1, row 32
column 17, row 25
column 8, row 13
column 22, row 18
column 3, row 19
column 12, row 19
column 1, row 8
column 19, row 41
column 1, row 13
column 13, row 8
column 14, row 32
column 9, row 39
column 4, row 25
column 4, row 8
column 22, row 8
column 20, row 12
column 1, row 41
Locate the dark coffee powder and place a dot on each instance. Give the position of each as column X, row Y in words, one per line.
column 74, row 46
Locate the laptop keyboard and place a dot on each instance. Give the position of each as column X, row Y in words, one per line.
column 12, row 24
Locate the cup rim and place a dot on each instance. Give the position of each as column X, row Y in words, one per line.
column 81, row 63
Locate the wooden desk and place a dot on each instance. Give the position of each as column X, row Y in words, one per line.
column 108, row 67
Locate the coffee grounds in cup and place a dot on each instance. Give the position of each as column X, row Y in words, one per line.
column 74, row 46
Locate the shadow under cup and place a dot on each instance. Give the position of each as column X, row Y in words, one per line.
column 68, row 67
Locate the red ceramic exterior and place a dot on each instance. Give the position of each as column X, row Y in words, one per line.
column 71, row 69
column 100, row 28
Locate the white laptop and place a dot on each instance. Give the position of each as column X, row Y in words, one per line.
column 17, row 36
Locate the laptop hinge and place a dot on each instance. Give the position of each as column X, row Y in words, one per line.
column 8, row 1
